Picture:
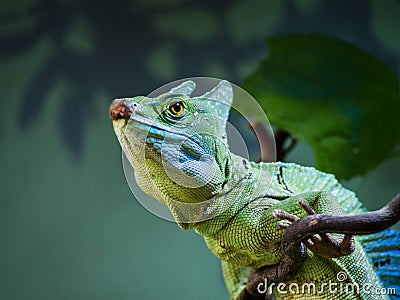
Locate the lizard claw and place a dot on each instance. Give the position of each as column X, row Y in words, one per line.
column 325, row 244
column 287, row 218
column 283, row 224
column 322, row 244
column 306, row 207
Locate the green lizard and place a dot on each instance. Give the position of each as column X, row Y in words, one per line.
column 177, row 145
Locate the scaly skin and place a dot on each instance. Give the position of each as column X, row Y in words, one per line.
column 182, row 159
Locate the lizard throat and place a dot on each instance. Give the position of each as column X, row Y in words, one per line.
column 172, row 166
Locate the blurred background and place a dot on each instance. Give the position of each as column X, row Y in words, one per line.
column 69, row 226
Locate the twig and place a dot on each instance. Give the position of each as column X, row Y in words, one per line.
column 280, row 138
column 366, row 223
column 264, row 140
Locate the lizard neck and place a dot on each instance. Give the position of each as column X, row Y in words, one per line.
column 248, row 181
column 218, row 177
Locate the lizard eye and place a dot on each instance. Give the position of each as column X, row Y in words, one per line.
column 176, row 108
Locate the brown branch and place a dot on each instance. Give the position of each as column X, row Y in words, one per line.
column 280, row 138
column 265, row 143
column 286, row 269
column 366, row 223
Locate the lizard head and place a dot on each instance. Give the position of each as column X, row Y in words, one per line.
column 176, row 143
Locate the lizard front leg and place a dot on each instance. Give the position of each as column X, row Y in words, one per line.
column 312, row 230
column 293, row 256
column 294, row 253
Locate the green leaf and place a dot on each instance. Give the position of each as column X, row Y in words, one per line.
column 341, row 100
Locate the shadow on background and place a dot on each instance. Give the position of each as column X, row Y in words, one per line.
column 70, row 228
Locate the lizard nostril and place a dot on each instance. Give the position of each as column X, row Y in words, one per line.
column 119, row 110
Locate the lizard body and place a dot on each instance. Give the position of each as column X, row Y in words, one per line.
column 178, row 147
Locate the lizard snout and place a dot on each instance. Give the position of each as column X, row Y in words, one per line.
column 119, row 109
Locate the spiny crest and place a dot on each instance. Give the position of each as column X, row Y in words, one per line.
column 186, row 88
column 219, row 99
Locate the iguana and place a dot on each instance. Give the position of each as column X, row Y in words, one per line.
column 177, row 145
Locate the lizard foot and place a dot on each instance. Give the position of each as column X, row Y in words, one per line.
column 322, row 244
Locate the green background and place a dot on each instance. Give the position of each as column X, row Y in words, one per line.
column 69, row 226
